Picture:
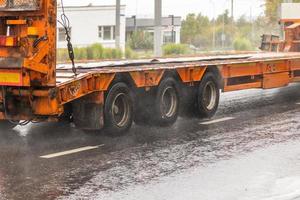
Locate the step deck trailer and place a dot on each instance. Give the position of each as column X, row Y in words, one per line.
column 87, row 92
column 111, row 95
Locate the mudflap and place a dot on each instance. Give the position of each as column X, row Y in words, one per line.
column 88, row 112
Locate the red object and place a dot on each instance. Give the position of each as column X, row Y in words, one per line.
column 2, row 40
column 8, row 41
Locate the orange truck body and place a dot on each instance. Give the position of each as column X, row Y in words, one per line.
column 38, row 89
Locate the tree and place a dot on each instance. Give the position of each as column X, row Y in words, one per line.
column 196, row 30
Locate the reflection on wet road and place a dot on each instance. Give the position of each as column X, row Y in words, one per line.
column 250, row 145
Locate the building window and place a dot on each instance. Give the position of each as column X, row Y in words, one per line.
column 106, row 32
column 169, row 37
column 100, row 32
column 62, row 34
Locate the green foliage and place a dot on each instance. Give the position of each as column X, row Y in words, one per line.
column 140, row 40
column 95, row 51
column 196, row 30
column 80, row 53
column 242, row 44
column 62, row 54
column 92, row 52
column 129, row 53
column 199, row 31
column 117, row 53
column 175, row 49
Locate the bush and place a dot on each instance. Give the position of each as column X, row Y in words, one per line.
column 242, row 44
column 141, row 40
column 62, row 55
column 117, row 54
column 95, row 51
column 175, row 49
column 80, row 53
column 129, row 53
column 107, row 53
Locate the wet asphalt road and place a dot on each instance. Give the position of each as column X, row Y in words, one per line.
column 249, row 156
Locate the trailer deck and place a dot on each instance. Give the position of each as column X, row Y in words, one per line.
column 252, row 64
column 236, row 72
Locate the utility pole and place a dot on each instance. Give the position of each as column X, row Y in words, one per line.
column 118, row 24
column 214, row 25
column 158, row 28
column 134, row 22
column 173, row 31
column 223, row 37
column 232, row 13
column 252, row 25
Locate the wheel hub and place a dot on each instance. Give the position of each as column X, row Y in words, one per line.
column 120, row 110
column 169, row 102
column 210, row 95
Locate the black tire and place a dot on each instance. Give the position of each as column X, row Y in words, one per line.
column 66, row 117
column 6, row 125
column 208, row 96
column 161, row 106
column 118, row 109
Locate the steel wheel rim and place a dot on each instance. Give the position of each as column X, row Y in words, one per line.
column 168, row 102
column 210, row 96
column 120, row 110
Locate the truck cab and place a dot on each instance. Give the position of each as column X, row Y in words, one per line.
column 27, row 43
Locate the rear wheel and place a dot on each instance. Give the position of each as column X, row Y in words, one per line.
column 118, row 109
column 161, row 107
column 208, row 96
column 6, row 125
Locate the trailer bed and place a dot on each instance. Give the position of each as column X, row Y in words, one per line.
column 65, row 75
column 94, row 79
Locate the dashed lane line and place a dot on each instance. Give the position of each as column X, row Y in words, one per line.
column 217, row 121
column 69, row 152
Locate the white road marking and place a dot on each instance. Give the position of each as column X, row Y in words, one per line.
column 217, row 120
column 298, row 103
column 73, row 151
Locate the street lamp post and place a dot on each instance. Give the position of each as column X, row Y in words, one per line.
column 173, row 31
column 158, row 29
column 118, row 24
column 214, row 25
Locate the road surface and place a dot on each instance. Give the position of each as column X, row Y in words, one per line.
column 249, row 151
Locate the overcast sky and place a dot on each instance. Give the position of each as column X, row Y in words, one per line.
column 144, row 8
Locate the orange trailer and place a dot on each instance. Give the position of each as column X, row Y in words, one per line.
column 113, row 95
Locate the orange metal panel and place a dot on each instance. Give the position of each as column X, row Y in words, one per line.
column 16, row 22
column 295, row 64
column 191, row 74
column 242, row 86
column 276, row 80
column 46, row 106
column 147, row 78
column 2, row 116
column 239, row 70
column 276, row 66
column 103, row 81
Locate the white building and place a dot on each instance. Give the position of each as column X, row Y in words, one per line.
column 290, row 11
column 92, row 24
column 171, row 27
